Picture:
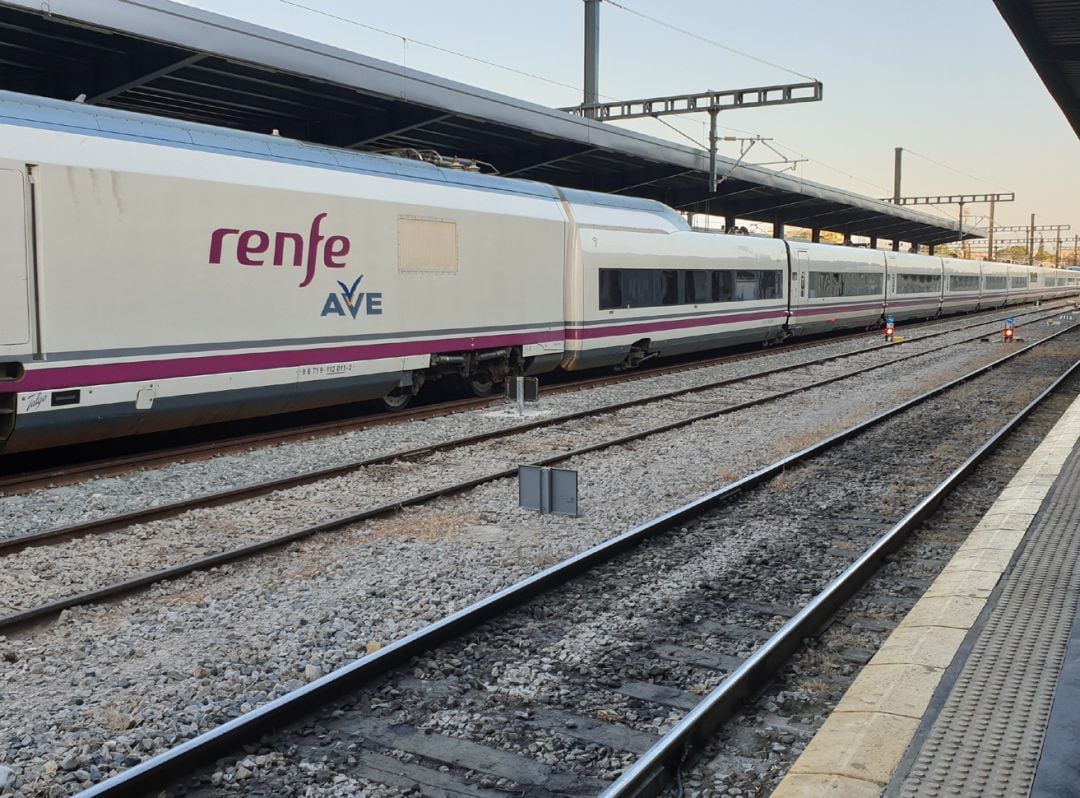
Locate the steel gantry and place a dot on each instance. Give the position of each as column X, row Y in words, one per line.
column 711, row 102
column 954, row 199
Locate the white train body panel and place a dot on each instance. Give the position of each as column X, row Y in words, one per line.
column 915, row 285
column 1018, row 284
column 963, row 281
column 995, row 285
column 835, row 287
column 15, row 262
column 671, row 292
column 1037, row 284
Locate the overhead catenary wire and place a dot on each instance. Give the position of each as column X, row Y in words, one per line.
column 436, row 47
column 707, row 40
column 953, row 169
column 908, row 150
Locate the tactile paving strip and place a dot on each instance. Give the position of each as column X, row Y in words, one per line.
column 988, row 736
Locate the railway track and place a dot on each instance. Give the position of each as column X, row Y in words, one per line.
column 757, row 746
column 19, row 473
column 589, row 675
column 603, row 439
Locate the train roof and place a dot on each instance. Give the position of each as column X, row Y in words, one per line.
column 73, row 117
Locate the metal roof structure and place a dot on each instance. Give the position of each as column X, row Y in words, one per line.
column 169, row 59
column 1049, row 32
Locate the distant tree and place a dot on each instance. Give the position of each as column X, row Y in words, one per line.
column 1017, row 254
column 829, row 237
column 943, row 251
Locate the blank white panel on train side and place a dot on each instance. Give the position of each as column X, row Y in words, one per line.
column 14, row 299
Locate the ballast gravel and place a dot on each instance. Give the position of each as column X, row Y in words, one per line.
column 107, row 686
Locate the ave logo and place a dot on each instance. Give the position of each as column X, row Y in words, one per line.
column 351, row 301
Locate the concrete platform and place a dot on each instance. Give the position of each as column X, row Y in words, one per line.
column 977, row 691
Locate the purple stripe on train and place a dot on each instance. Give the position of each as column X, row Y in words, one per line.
column 111, row 373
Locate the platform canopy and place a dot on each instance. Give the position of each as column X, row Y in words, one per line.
column 1049, row 32
column 165, row 58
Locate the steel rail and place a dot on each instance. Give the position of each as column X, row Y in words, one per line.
column 658, row 767
column 17, row 543
column 163, row 769
column 12, row 484
column 53, row 608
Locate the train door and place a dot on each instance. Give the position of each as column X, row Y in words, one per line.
column 890, row 278
column 798, row 266
column 803, row 268
column 14, row 261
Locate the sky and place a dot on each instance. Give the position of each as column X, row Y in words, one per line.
column 944, row 79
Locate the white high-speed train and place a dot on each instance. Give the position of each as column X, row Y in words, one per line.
column 156, row 274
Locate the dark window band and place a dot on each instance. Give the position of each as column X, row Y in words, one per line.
column 652, row 288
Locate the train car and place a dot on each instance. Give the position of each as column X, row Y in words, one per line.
column 995, row 285
column 1061, row 282
column 835, row 287
column 1036, row 284
column 169, row 274
column 963, row 280
column 914, row 287
column 640, row 293
column 1019, row 280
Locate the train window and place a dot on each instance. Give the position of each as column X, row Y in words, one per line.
column 723, row 283
column 638, row 288
column 645, row 288
column 995, row 281
column 823, row 284
column 963, row 282
column 1033, row 276
column 697, row 286
column 670, row 281
column 758, row 285
column 830, row 284
column 862, row 284
column 610, row 289
column 772, row 284
column 642, row 288
column 1019, row 282
column 918, row 283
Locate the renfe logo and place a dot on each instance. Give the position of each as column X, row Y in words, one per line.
column 250, row 243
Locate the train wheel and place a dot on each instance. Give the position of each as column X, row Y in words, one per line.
column 397, row 399
column 479, row 383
